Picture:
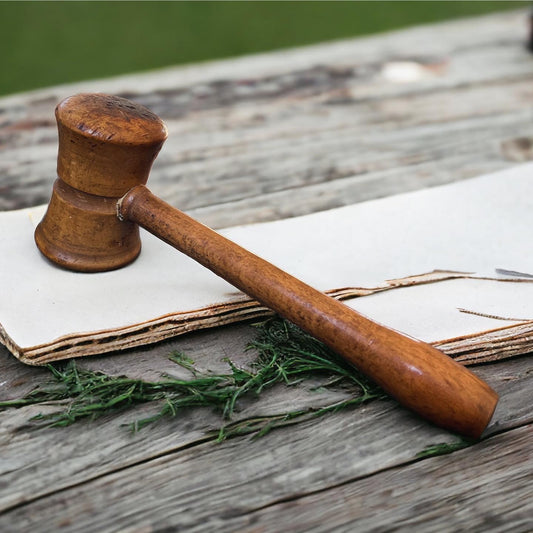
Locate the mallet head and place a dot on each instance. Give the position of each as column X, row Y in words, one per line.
column 107, row 145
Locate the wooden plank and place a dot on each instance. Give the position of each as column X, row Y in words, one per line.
column 316, row 171
column 88, row 464
column 244, row 149
column 485, row 488
column 17, row 379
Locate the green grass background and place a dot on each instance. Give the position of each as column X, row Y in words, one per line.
column 47, row 43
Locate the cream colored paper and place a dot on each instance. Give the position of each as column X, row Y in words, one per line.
column 463, row 231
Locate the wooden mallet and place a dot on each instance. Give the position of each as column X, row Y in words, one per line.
column 106, row 148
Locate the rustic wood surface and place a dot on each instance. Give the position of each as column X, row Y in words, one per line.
column 261, row 138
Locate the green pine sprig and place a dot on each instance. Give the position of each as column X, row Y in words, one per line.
column 285, row 355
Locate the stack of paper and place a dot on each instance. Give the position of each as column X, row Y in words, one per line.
column 451, row 265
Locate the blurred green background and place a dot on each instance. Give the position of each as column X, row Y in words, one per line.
column 47, row 43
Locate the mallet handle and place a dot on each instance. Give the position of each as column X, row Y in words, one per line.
column 418, row 375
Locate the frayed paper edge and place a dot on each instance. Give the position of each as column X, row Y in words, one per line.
column 486, row 346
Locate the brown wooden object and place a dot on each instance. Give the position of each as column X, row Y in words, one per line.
column 106, row 148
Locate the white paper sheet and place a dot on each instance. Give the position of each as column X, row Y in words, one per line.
column 474, row 226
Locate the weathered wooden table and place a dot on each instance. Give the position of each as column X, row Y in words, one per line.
column 255, row 139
